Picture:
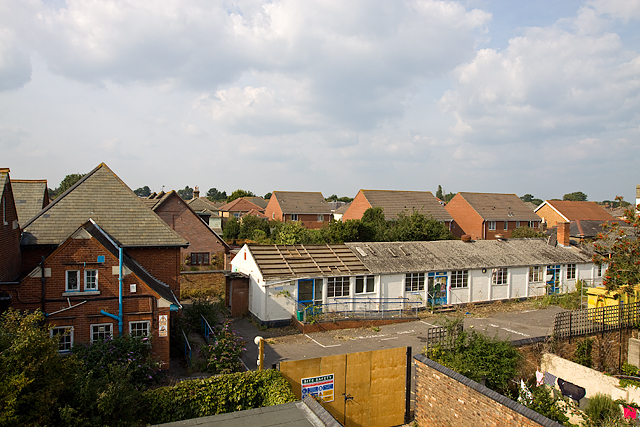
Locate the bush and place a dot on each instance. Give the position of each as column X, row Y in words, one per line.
column 191, row 316
column 546, row 404
column 223, row 353
column 602, row 410
column 217, row 395
column 582, row 354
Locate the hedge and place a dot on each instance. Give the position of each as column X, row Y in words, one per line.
column 217, row 395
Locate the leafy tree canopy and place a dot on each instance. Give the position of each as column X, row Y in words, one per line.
column 143, row 191
column 577, row 196
column 216, row 196
column 528, row 198
column 445, row 197
column 186, row 193
column 525, row 231
column 335, row 198
column 65, row 184
column 239, row 193
column 267, row 196
column 439, row 193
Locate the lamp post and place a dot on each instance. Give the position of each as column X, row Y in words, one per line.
column 260, row 343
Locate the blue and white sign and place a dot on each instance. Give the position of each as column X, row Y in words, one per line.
column 321, row 387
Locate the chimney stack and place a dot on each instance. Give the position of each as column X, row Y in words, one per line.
column 196, row 192
column 563, row 236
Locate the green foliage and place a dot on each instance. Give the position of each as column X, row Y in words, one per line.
column 33, row 376
column 602, row 410
column 191, row 315
column 143, row 191
column 439, row 193
column 528, row 198
column 546, row 404
column 632, row 371
column 239, row 193
column 582, row 354
column 291, row 233
column 335, row 198
column 186, row 193
column 567, row 300
column 417, row 227
column 477, row 356
column 525, row 232
column 217, row 395
column 231, row 229
column 223, row 352
column 577, row 196
column 65, row 184
column 267, row 196
column 250, row 224
column 216, row 196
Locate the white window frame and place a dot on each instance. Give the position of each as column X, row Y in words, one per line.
column 365, row 282
column 97, row 325
column 320, row 217
column 459, row 279
column 140, row 322
column 536, row 274
column 500, row 276
column 414, row 282
column 506, row 226
column 339, row 286
column 66, row 280
column 86, row 280
column 294, row 217
column 492, row 225
column 598, row 270
column 67, row 331
column 533, row 224
column 571, row 271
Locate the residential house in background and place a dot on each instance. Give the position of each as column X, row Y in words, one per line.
column 256, row 200
column 238, row 208
column 207, row 210
column 383, row 276
column 488, row 216
column 339, row 211
column 31, row 196
column 395, row 202
column 9, row 231
column 553, row 211
column 206, row 248
column 309, row 208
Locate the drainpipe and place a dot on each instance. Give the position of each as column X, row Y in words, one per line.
column 42, row 282
column 119, row 316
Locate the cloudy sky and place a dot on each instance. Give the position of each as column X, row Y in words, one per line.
column 539, row 97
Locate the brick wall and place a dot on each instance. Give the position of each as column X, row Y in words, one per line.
column 205, row 283
column 466, row 220
column 9, row 237
column 551, row 217
column 311, row 220
column 446, row 398
column 273, row 210
column 161, row 263
column 357, row 207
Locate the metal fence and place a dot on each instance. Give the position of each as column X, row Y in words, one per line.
column 207, row 330
column 359, row 308
column 594, row 320
column 187, row 347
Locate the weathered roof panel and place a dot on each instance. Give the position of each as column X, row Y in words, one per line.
column 394, row 202
column 30, row 197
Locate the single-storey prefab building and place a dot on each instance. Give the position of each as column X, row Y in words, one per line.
column 283, row 279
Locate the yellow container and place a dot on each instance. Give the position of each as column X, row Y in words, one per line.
column 600, row 297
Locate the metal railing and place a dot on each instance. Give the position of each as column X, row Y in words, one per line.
column 207, row 331
column 359, row 308
column 594, row 320
column 187, row 347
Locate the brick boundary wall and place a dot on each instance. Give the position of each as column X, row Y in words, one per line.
column 444, row 397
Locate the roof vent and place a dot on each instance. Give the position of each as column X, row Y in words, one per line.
column 391, row 252
column 403, row 251
column 363, row 253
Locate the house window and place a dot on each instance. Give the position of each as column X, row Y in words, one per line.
column 492, row 225
column 91, row 280
column 365, row 284
column 320, row 217
column 294, row 217
column 65, row 337
column 517, row 224
column 533, row 224
column 599, row 270
column 338, row 287
column 101, row 331
column 459, row 279
column 506, row 225
column 139, row 329
column 414, row 282
column 535, row 274
column 499, row 276
column 571, row 271
column 73, row 280
column 199, row 258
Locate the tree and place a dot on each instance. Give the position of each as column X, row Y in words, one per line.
column 577, row 196
column 249, row 225
column 332, row 198
column 186, row 193
column 239, row 193
column 439, row 194
column 216, row 196
column 418, row 227
column 231, row 229
column 525, row 232
column 65, row 184
column 290, row 233
column 528, row 198
column 143, row 191
column 267, row 196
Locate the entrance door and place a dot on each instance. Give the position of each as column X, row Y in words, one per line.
column 553, row 279
column 310, row 295
column 437, row 288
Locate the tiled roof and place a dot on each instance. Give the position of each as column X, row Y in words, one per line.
column 240, row 205
column 103, row 197
column 342, row 209
column 4, row 178
column 447, row 255
column 30, row 197
column 202, row 204
column 299, row 261
column 299, row 202
column 258, row 201
column 579, row 210
column 254, row 212
column 394, row 202
column 500, row 207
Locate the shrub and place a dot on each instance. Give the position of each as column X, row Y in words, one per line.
column 582, row 354
column 602, row 410
column 546, row 404
column 222, row 355
column 190, row 320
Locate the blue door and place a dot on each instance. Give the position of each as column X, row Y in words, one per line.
column 437, row 288
column 553, row 279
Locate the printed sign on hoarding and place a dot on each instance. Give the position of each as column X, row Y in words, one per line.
column 321, row 387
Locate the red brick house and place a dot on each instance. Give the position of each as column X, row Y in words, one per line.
column 394, row 202
column 552, row 212
column 310, row 208
column 488, row 215
column 204, row 243
column 9, row 231
column 52, row 241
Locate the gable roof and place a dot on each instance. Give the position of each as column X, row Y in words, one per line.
column 103, row 197
column 499, row 207
column 202, row 204
column 30, row 196
column 240, row 205
column 301, row 202
column 4, row 179
column 573, row 211
column 300, row 261
column 256, row 200
column 447, row 255
column 394, row 202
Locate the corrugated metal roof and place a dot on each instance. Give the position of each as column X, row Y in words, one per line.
column 447, row 255
column 298, row 261
column 394, row 202
column 499, row 207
